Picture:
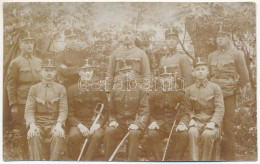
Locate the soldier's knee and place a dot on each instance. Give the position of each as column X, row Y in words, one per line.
column 110, row 131
column 98, row 134
column 152, row 134
column 183, row 134
column 134, row 133
column 208, row 135
column 74, row 136
column 193, row 131
column 34, row 139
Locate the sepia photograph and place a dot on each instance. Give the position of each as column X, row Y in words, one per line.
column 129, row 81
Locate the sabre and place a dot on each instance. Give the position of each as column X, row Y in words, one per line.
column 94, row 123
column 167, row 144
column 120, row 144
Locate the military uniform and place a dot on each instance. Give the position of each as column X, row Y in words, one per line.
column 23, row 72
column 165, row 108
column 83, row 108
column 204, row 103
column 46, row 105
column 177, row 63
column 134, row 57
column 127, row 106
column 228, row 69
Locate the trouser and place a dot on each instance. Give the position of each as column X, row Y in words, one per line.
column 76, row 141
column 38, row 148
column 228, row 128
column 20, row 124
column 113, row 136
column 176, row 148
column 207, row 137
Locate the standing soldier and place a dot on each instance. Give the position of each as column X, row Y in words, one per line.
column 228, row 69
column 45, row 114
column 23, row 72
column 84, row 100
column 205, row 105
column 166, row 110
column 128, row 111
column 176, row 61
column 128, row 54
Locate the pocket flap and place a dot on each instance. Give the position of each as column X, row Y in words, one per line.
column 54, row 100
column 39, row 100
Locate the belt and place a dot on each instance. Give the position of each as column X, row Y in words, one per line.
column 208, row 111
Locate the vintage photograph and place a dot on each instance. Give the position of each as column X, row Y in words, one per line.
column 129, row 81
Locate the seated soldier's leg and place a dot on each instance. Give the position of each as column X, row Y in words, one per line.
column 57, row 144
column 36, row 148
column 208, row 139
column 133, row 138
column 75, row 142
column 111, row 140
column 181, row 140
column 194, row 143
column 94, row 144
column 154, row 144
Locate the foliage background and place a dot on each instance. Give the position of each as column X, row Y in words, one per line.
column 92, row 29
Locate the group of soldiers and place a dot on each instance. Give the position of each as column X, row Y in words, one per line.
column 191, row 106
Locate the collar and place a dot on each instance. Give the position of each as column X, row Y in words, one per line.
column 47, row 85
column 27, row 56
column 222, row 49
column 203, row 82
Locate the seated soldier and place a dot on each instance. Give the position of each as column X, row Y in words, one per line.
column 84, row 102
column 204, row 101
column 128, row 112
column 45, row 113
column 166, row 109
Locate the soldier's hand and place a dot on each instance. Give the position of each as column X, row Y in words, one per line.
column 14, row 111
column 58, row 130
column 33, row 131
column 113, row 124
column 133, row 127
column 192, row 123
column 153, row 125
column 181, row 127
column 210, row 125
column 94, row 128
column 84, row 130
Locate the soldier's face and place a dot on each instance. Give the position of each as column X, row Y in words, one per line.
column 172, row 42
column 27, row 46
column 86, row 74
column 127, row 37
column 222, row 39
column 48, row 74
column 201, row 71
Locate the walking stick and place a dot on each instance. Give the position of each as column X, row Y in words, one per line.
column 167, row 144
column 120, row 144
column 94, row 123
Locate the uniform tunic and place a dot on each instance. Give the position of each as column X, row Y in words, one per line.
column 126, row 107
column 204, row 103
column 83, row 109
column 228, row 69
column 134, row 57
column 46, row 105
column 165, row 108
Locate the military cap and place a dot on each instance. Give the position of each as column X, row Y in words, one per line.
column 87, row 65
column 25, row 35
column 171, row 32
column 200, row 61
column 48, row 63
column 224, row 30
